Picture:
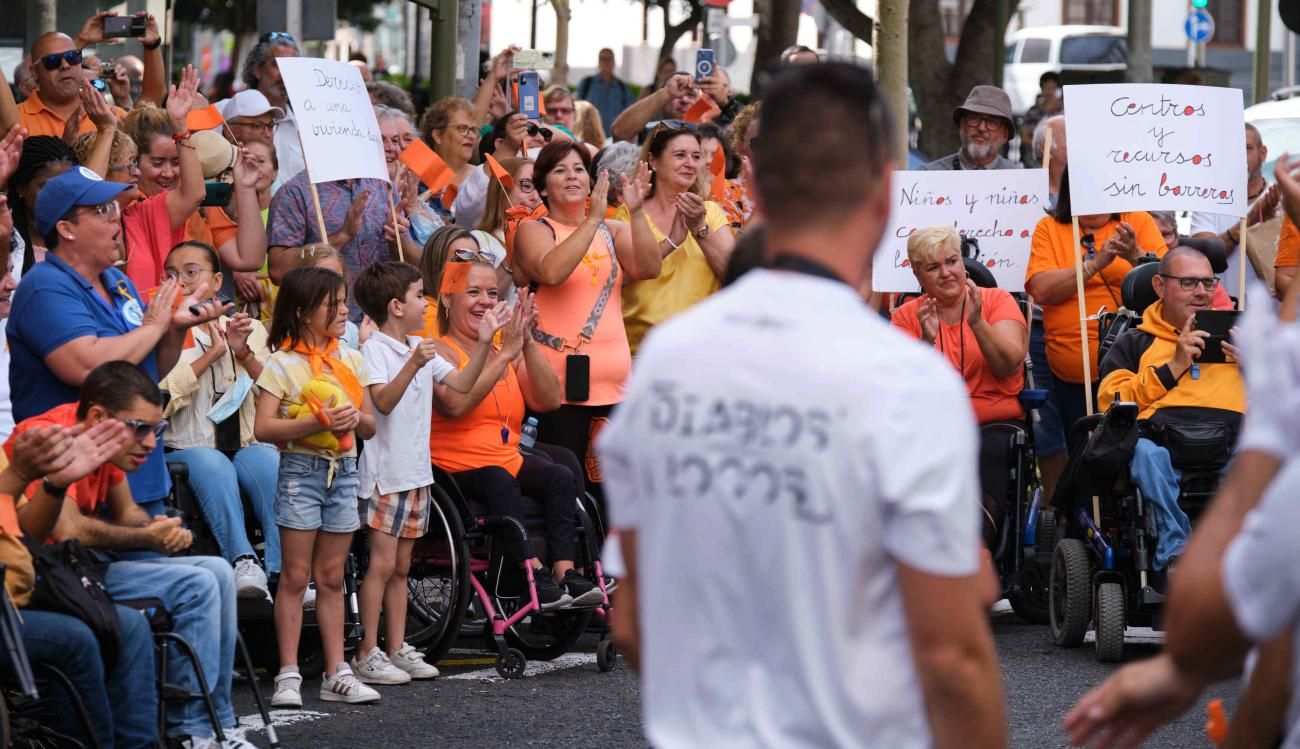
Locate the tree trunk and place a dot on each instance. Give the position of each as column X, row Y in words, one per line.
column 560, row 75
column 938, row 85
column 778, row 28
column 891, row 69
column 846, row 14
column 673, row 32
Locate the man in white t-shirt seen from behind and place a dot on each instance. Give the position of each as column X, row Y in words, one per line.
column 814, row 470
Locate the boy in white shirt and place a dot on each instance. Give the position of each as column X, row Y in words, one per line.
column 394, row 470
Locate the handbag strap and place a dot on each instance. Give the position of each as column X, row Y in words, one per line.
column 597, row 311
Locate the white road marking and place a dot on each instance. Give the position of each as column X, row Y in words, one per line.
column 1133, row 636
column 279, row 719
column 568, row 660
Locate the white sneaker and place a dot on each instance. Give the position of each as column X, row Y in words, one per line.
column 343, row 686
column 377, row 669
column 288, row 689
column 235, row 739
column 309, row 597
column 250, row 579
column 200, row 742
column 410, row 660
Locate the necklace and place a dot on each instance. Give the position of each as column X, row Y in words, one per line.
column 504, row 420
column 961, row 341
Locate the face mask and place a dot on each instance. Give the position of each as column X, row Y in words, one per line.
column 533, row 152
column 228, row 404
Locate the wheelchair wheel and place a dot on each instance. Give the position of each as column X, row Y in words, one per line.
column 1070, row 593
column 438, row 587
column 1031, row 600
column 544, row 637
column 606, row 656
column 1110, row 622
column 512, row 665
column 1045, row 537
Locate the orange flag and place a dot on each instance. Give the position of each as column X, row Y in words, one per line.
column 455, row 278
column 500, row 173
column 718, row 164
column 703, row 110
column 421, row 159
column 718, row 167
column 204, row 119
column 449, row 196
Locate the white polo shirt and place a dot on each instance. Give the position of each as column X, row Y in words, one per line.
column 396, row 459
column 779, row 450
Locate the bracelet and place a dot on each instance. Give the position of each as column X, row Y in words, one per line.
column 58, row 492
column 248, row 354
column 181, row 137
column 670, row 242
column 151, row 46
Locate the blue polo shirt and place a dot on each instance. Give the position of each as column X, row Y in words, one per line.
column 52, row 306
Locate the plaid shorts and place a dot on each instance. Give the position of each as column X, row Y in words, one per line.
column 402, row 514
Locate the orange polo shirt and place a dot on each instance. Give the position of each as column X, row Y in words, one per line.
column 41, row 120
column 1288, row 245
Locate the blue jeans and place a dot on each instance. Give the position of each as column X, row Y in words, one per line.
column 121, row 713
column 199, row 593
column 1049, row 434
column 217, row 481
column 1156, row 476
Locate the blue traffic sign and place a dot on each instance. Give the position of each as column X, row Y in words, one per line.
column 1199, row 26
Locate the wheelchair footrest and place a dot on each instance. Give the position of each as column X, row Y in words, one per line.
column 1151, row 597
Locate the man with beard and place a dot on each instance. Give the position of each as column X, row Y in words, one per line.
column 985, row 125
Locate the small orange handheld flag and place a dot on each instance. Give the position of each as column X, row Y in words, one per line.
column 422, row 160
column 703, row 110
column 449, row 196
column 455, row 278
column 204, row 119
column 500, row 173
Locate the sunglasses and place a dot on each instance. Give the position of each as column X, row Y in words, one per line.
column 469, row 256
column 140, row 430
column 273, row 35
column 52, row 62
column 534, row 130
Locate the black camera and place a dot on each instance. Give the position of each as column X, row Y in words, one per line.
column 121, row 26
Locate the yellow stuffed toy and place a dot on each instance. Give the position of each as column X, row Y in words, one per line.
column 317, row 395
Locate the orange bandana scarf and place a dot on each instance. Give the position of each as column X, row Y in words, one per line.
column 342, row 372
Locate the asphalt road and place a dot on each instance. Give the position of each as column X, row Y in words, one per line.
column 569, row 703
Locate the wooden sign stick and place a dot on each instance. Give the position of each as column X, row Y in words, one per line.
column 315, row 198
column 1086, row 349
column 1242, row 260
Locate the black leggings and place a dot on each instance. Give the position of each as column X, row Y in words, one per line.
column 575, row 428
column 548, row 482
column 995, row 484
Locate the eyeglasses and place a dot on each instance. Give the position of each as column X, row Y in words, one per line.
column 106, row 210
column 130, row 167
column 1189, row 283
column 463, row 131
column 52, row 62
column 525, row 185
column 189, row 272
column 471, row 256
column 140, row 430
column 253, row 125
column 534, row 130
column 560, row 110
column 971, row 119
column 273, row 35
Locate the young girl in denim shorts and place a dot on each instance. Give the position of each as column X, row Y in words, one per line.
column 314, row 406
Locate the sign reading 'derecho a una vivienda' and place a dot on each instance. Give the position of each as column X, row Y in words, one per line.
column 997, row 207
column 1148, row 147
column 336, row 121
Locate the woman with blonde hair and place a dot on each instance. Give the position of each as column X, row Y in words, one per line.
column 982, row 333
column 694, row 238
column 586, row 124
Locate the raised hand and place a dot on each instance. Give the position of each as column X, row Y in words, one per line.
column 120, row 86
column 238, row 329
column 1189, row 347
column 159, row 311
column 151, row 32
column 248, row 286
column 6, row 222
column 691, row 208
column 599, row 197
column 205, row 308
column 92, row 31
column 679, row 85
column 493, row 320
column 352, row 221
column 11, row 149
column 246, row 170
column 40, row 452
column 180, row 99
column 927, row 313
column 636, row 189
column 96, row 108
column 502, row 63
column 974, row 303
column 424, row 352
column 72, row 128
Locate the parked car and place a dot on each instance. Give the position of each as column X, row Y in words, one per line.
column 1034, row 51
column 1278, row 122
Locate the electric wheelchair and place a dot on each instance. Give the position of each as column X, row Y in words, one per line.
column 1101, row 566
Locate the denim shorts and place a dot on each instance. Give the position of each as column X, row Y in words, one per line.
column 306, row 500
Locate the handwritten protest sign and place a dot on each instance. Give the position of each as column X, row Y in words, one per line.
column 998, row 208
column 336, row 121
column 1144, row 146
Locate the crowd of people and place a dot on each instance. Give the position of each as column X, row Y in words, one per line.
column 182, row 295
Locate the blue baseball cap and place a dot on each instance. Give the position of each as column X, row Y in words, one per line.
column 77, row 186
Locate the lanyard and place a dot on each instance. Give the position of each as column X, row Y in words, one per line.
column 804, row 265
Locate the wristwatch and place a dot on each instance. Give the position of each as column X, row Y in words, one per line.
column 701, row 232
column 58, row 492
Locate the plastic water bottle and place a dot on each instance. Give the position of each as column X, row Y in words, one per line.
column 528, row 435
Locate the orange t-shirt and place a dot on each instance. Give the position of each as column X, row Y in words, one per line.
column 41, row 120
column 474, row 440
column 210, row 225
column 1288, row 245
column 563, row 311
column 149, row 238
column 1053, row 248
column 90, row 492
column 994, row 398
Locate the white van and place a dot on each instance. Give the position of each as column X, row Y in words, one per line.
column 1034, row 51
